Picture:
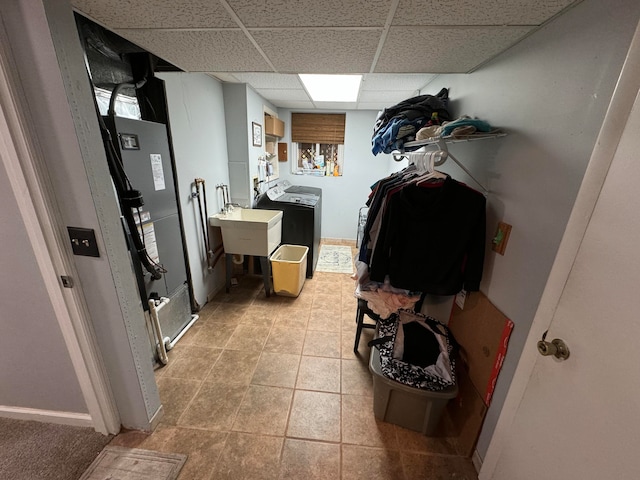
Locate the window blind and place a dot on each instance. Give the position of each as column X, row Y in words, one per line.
column 317, row 127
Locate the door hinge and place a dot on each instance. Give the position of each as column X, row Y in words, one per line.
column 67, row 281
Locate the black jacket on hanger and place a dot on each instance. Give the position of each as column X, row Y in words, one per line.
column 432, row 239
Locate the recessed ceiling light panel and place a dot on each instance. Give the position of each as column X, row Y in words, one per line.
column 332, row 88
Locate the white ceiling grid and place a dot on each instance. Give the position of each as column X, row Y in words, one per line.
column 397, row 44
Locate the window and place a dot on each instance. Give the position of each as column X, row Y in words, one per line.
column 320, row 159
column 317, row 144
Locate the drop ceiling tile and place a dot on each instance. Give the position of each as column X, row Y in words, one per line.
column 294, row 105
column 340, row 106
column 157, row 13
column 283, row 94
column 390, row 82
column 225, row 77
column 377, row 106
column 319, row 51
column 472, row 12
column 200, row 50
column 270, row 80
column 311, row 13
column 390, row 97
column 430, row 49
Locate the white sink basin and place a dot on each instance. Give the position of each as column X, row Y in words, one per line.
column 249, row 231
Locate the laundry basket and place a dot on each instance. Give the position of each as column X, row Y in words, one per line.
column 289, row 266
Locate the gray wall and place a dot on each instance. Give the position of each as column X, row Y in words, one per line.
column 63, row 118
column 242, row 107
column 37, row 371
column 197, row 118
column 550, row 93
column 343, row 196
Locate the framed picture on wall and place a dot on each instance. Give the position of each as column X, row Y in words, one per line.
column 257, row 134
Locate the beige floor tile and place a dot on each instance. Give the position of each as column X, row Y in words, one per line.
column 322, row 344
column 360, row 427
column 276, row 370
column 349, row 340
column 292, row 318
column 206, row 311
column 234, row 366
column 373, row 464
column 437, row 467
column 325, row 321
column 214, row 407
column 247, row 338
column 264, row 410
column 202, row 447
column 263, row 300
column 175, row 395
column 310, row 460
column 285, row 340
column 356, row 378
column 250, row 393
column 320, row 374
column 189, row 336
column 443, row 441
column 259, row 316
column 193, row 363
column 315, row 416
column 249, row 457
column 229, row 313
column 213, row 335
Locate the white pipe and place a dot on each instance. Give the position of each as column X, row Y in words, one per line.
column 153, row 311
column 238, row 259
column 170, row 345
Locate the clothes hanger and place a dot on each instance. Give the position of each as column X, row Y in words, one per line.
column 432, row 173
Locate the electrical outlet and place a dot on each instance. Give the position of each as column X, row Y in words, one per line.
column 500, row 239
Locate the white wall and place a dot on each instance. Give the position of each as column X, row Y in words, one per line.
column 550, row 93
column 343, row 196
column 197, row 119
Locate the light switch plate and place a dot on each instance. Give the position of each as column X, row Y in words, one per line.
column 83, row 241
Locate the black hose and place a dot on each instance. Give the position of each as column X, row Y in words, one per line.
column 116, row 92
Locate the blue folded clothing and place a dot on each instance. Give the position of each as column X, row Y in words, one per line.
column 480, row 125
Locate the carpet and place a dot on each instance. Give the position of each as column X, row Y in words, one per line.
column 134, row 464
column 335, row 259
column 44, row 451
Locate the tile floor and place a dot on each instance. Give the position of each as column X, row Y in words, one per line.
column 270, row 388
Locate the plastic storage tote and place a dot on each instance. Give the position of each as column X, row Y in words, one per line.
column 406, row 406
column 289, row 267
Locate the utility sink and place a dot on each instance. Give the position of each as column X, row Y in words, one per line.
column 249, row 231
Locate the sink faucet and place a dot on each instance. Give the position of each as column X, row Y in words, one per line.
column 228, row 207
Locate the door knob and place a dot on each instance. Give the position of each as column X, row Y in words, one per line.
column 556, row 347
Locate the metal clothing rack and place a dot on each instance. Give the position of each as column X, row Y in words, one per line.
column 442, row 142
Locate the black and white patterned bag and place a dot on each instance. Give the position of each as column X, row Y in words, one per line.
column 416, row 350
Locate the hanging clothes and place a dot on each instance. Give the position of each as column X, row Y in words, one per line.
column 424, row 234
column 432, row 239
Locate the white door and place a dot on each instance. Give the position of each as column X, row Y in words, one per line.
column 580, row 418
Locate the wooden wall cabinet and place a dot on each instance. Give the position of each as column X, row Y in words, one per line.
column 273, row 126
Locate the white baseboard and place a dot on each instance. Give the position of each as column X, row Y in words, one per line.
column 476, row 460
column 47, row 416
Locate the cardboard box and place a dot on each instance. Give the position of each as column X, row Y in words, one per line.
column 466, row 413
column 483, row 334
